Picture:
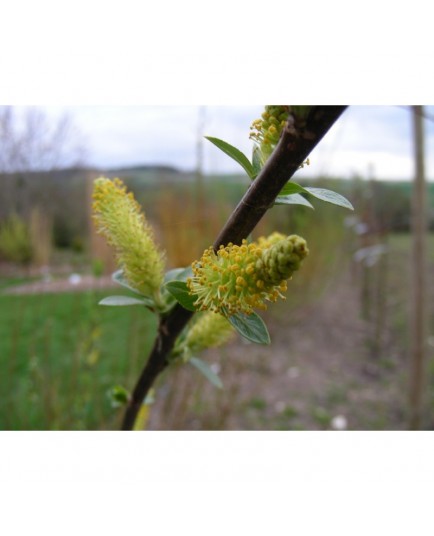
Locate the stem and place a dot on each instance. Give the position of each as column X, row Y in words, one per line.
column 168, row 330
column 295, row 145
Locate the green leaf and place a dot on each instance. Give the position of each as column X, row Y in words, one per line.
column 118, row 396
column 320, row 193
column 207, row 371
column 119, row 278
column 256, row 161
column 293, row 199
column 178, row 274
column 292, row 188
column 329, row 197
column 251, row 327
column 234, row 153
column 180, row 292
column 123, row 300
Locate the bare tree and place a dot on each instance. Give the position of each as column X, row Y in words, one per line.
column 30, row 141
column 40, row 161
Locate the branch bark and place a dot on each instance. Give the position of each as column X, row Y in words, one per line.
column 296, row 143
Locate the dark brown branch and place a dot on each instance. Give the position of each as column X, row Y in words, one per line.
column 294, row 147
column 296, row 143
column 169, row 329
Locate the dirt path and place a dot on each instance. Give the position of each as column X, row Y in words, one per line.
column 73, row 283
column 317, row 374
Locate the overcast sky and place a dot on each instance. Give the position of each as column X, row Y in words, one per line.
column 369, row 141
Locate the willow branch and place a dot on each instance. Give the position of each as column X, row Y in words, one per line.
column 295, row 145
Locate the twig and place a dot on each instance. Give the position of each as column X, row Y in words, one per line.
column 296, row 143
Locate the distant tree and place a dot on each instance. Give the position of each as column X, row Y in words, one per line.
column 30, row 141
column 34, row 152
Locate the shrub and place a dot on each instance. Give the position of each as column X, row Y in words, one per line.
column 15, row 243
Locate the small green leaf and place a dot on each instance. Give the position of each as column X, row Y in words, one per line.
column 293, row 199
column 251, row 327
column 178, row 274
column 292, row 188
column 207, row 371
column 234, row 153
column 118, row 396
column 256, row 161
column 119, row 278
column 320, row 193
column 329, row 197
column 123, row 300
column 180, row 292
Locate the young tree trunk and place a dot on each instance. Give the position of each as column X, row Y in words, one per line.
column 419, row 276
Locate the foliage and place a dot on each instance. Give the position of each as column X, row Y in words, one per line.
column 15, row 240
column 97, row 267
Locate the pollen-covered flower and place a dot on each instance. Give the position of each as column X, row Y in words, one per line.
column 267, row 130
column 241, row 278
column 120, row 219
column 209, row 330
column 273, row 238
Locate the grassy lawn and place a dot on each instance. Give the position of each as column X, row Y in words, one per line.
column 59, row 356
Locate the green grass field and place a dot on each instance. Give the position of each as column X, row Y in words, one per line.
column 60, row 355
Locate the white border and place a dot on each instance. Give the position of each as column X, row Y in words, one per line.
column 181, row 53
column 254, row 483
column 206, row 483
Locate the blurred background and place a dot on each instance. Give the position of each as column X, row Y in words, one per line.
column 352, row 346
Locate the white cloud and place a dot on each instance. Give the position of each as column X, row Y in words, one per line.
column 367, row 164
column 365, row 139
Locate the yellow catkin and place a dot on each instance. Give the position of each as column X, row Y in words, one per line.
column 209, row 330
column 266, row 131
column 248, row 275
column 118, row 217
